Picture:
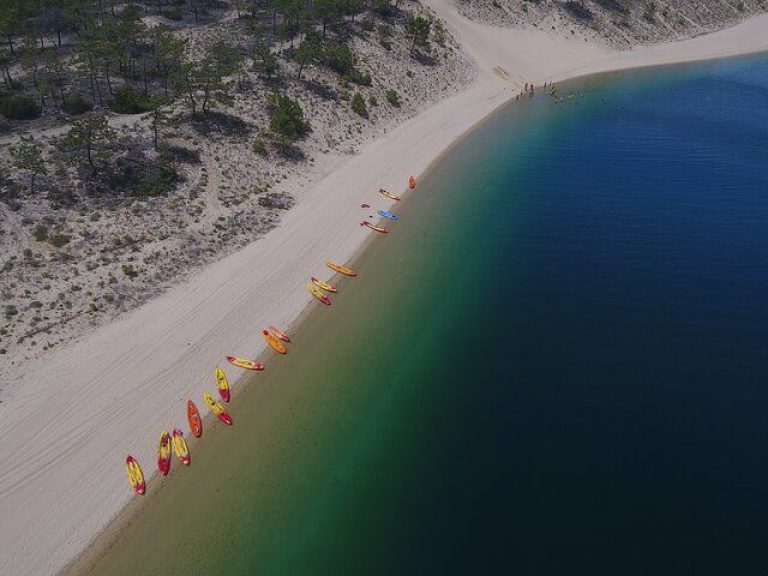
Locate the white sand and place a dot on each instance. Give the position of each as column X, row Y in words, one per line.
column 67, row 425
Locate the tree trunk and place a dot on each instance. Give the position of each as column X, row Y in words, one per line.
column 10, row 43
column 32, row 184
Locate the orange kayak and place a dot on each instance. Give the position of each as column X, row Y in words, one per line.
column 341, row 269
column 245, row 364
column 193, row 417
column 279, row 334
column 411, row 182
column 222, row 384
column 324, row 285
column 317, row 293
column 389, row 195
column 276, row 345
column 135, row 475
column 373, row 227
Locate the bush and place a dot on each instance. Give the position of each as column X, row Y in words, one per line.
column 373, row 101
column 129, row 102
column 173, row 14
column 40, row 233
column 360, row 78
column 260, row 148
column 10, row 311
column 358, row 105
column 287, row 117
column 19, row 108
column 129, row 271
column 393, row 97
column 75, row 105
column 59, row 240
column 338, row 57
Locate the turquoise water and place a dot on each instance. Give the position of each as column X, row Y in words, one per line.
column 554, row 364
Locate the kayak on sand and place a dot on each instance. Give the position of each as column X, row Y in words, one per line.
column 324, row 285
column 217, row 408
column 317, row 293
column 164, row 453
column 387, row 214
column 135, row 475
column 193, row 417
column 222, row 384
column 245, row 364
column 341, row 269
column 180, row 447
column 276, row 345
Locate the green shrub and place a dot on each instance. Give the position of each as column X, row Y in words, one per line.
column 59, row 240
column 358, row 105
column 129, row 102
column 75, row 105
column 129, row 271
column 287, row 117
column 393, row 97
column 10, row 311
column 40, row 233
column 19, row 108
column 260, row 148
column 373, row 101
column 173, row 14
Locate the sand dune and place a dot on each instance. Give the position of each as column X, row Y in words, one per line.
column 68, row 424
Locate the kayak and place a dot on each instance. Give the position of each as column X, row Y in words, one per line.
column 135, row 475
column 222, row 384
column 324, row 285
column 387, row 214
column 389, row 195
column 276, row 345
column 217, row 408
column 279, row 334
column 341, row 269
column 411, row 182
column 374, row 228
column 164, row 453
column 245, row 364
column 317, row 293
column 193, row 417
column 180, row 447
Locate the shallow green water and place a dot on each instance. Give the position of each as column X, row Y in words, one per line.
column 553, row 364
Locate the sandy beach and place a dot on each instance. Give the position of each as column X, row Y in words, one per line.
column 68, row 423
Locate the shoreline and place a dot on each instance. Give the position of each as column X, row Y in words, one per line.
column 227, row 302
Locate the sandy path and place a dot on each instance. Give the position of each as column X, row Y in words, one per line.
column 67, row 424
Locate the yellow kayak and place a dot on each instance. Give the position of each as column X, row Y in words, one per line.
column 180, row 447
column 341, row 269
column 324, row 285
column 389, row 195
column 276, row 345
column 135, row 475
column 222, row 384
column 317, row 293
column 217, row 408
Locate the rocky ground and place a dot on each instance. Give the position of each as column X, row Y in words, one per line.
column 68, row 266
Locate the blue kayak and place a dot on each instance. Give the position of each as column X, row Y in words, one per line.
column 385, row 214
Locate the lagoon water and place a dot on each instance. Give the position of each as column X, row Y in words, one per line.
column 556, row 363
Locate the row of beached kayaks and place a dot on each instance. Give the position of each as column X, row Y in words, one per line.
column 174, row 443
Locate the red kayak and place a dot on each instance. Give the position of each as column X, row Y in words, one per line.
column 164, row 453
column 279, row 334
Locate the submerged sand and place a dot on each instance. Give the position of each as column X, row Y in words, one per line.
column 67, row 424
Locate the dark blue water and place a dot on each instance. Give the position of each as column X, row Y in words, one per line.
column 555, row 364
column 616, row 418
